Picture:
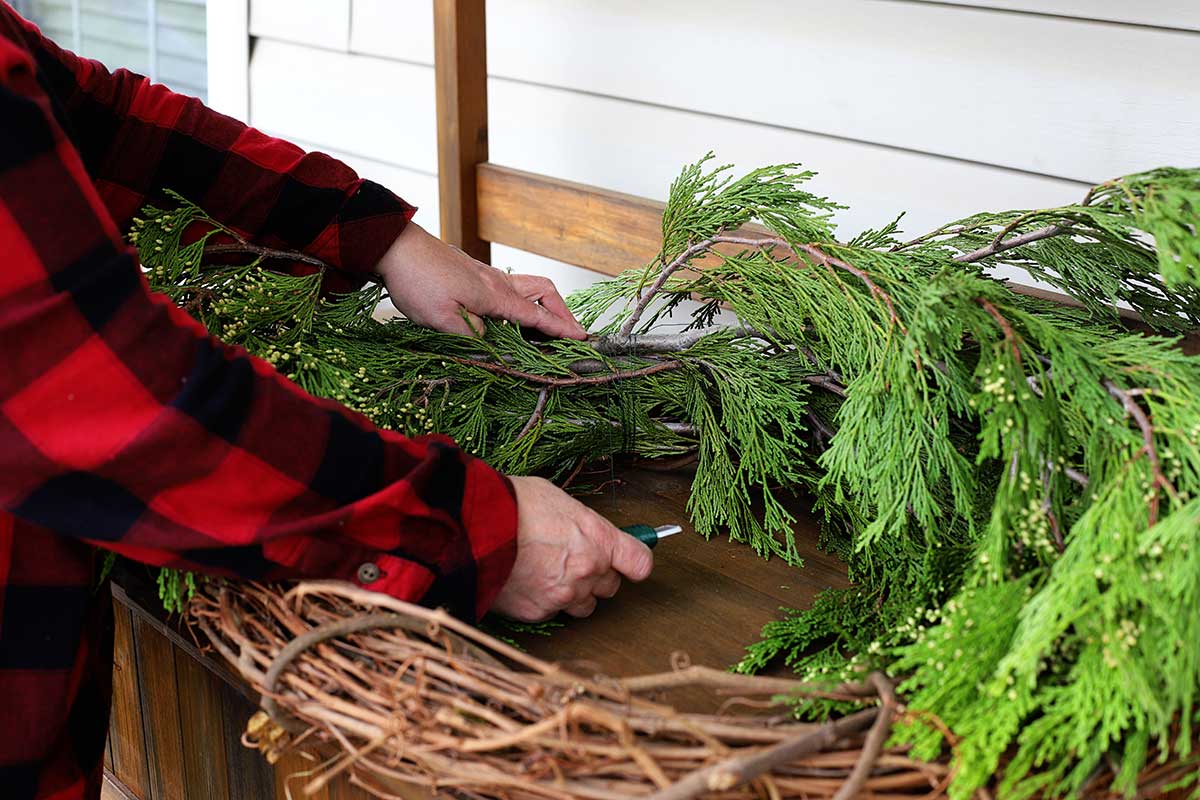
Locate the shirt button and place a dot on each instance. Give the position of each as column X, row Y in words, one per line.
column 368, row 573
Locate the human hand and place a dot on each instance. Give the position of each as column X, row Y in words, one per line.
column 567, row 556
column 432, row 284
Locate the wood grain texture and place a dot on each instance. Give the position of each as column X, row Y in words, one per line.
column 159, row 693
column 291, row 773
column 135, row 589
column 708, row 599
column 594, row 228
column 202, row 720
column 125, row 731
column 247, row 773
column 460, row 59
column 113, row 789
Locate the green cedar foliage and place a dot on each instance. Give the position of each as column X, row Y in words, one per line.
column 1014, row 484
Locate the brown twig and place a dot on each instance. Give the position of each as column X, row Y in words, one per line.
column 824, row 432
column 667, row 271
column 641, row 344
column 1010, row 335
column 536, row 416
column 577, row 380
column 945, row 230
column 574, row 474
column 828, row 382
column 822, row 258
column 744, row 768
column 998, row 246
column 1159, row 479
column 429, row 383
column 406, row 705
column 876, row 738
column 1076, row 476
column 249, row 248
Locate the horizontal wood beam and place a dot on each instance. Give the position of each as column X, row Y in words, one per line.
column 597, row 229
column 582, row 225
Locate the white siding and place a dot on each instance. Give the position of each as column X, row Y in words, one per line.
column 1181, row 14
column 936, row 108
column 228, row 56
column 321, row 23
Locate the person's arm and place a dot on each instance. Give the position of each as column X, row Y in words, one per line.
column 123, row 423
column 139, row 138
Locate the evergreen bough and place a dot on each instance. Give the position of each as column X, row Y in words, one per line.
column 1014, row 484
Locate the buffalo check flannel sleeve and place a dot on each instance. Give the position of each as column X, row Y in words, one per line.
column 137, row 138
column 123, row 423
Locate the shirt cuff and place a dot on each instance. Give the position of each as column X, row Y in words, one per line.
column 365, row 227
column 471, row 571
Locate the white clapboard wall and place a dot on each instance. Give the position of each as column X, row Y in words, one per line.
column 163, row 39
column 934, row 108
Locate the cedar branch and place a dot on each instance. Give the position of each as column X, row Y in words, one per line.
column 813, row 252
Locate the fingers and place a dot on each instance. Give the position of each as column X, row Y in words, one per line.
column 542, row 290
column 461, row 322
column 582, row 608
column 517, row 299
column 568, row 556
column 607, row 585
column 630, row 557
column 602, row 588
column 474, row 323
column 528, row 313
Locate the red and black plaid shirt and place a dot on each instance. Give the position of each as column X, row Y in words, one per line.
column 125, row 426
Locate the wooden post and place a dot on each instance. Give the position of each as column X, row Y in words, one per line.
column 460, row 58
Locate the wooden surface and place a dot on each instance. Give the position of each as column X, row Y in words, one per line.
column 178, row 713
column 460, row 75
column 706, row 599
